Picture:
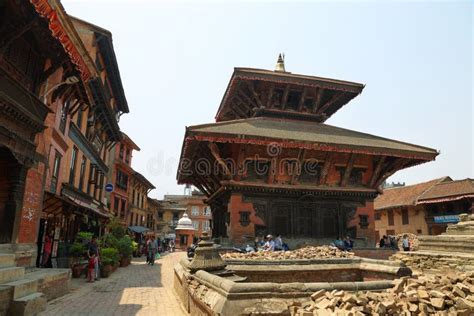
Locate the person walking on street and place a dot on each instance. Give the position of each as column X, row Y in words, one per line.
column 171, row 245
column 152, row 250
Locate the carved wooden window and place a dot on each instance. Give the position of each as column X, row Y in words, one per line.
column 377, row 216
column 26, row 59
column 363, row 221
column 80, row 114
column 277, row 98
column 72, row 167
column 244, row 218
column 82, row 172
column 55, row 175
column 195, row 211
column 121, row 152
column 405, row 217
column 123, row 210
column 121, row 180
column 257, row 170
column 63, row 118
column 206, row 225
column 308, row 104
column 293, row 100
column 116, row 206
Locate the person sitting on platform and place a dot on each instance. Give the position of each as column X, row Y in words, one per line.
column 339, row 243
column 382, row 242
column 270, row 244
column 278, row 243
column 348, row 244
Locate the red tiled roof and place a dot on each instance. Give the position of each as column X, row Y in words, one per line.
column 448, row 191
column 405, row 196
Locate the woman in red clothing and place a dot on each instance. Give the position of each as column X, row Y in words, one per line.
column 48, row 245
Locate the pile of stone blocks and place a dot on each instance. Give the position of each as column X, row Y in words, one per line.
column 309, row 252
column 420, row 295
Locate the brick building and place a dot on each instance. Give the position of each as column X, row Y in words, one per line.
column 424, row 208
column 120, row 172
column 138, row 211
column 82, row 131
column 43, row 65
column 270, row 165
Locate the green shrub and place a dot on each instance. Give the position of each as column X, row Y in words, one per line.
column 109, row 241
column 125, row 246
column 77, row 249
column 84, row 237
column 116, row 228
column 109, row 256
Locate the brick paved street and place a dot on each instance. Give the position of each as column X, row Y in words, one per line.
column 138, row 289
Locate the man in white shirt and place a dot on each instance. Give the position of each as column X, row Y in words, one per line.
column 270, row 244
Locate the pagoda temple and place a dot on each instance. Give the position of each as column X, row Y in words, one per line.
column 269, row 164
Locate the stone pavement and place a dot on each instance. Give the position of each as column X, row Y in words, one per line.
column 139, row 289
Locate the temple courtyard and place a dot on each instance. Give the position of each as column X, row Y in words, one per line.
column 139, row 289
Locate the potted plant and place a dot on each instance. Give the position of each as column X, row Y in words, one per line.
column 125, row 248
column 108, row 257
column 77, row 251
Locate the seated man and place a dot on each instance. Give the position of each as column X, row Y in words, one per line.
column 348, row 244
column 270, row 244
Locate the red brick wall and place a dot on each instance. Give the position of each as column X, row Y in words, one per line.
column 237, row 232
column 32, row 205
column 368, row 232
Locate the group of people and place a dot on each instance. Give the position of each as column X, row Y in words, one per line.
column 346, row 244
column 269, row 244
column 392, row 242
column 93, row 254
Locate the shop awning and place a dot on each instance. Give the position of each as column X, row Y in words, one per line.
column 138, row 229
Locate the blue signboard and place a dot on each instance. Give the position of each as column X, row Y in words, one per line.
column 109, row 187
column 446, row 219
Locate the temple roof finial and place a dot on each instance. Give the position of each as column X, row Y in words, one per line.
column 280, row 66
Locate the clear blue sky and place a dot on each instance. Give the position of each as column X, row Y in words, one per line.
column 416, row 59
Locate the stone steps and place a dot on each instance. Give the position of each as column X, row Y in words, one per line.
column 53, row 283
column 22, row 287
column 8, row 274
column 28, row 305
column 7, row 260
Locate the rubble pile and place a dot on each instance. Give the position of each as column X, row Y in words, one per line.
column 412, row 238
column 422, row 295
column 308, row 252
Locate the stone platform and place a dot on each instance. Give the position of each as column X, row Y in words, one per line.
column 452, row 250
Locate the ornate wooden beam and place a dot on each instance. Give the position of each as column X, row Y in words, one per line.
column 284, row 99
column 336, row 97
column 303, row 96
column 236, row 108
column 319, row 97
column 255, row 94
column 215, row 152
column 347, row 172
column 325, row 170
column 270, row 95
column 240, row 161
column 12, row 32
column 376, row 171
column 390, row 169
column 247, row 98
column 296, row 173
